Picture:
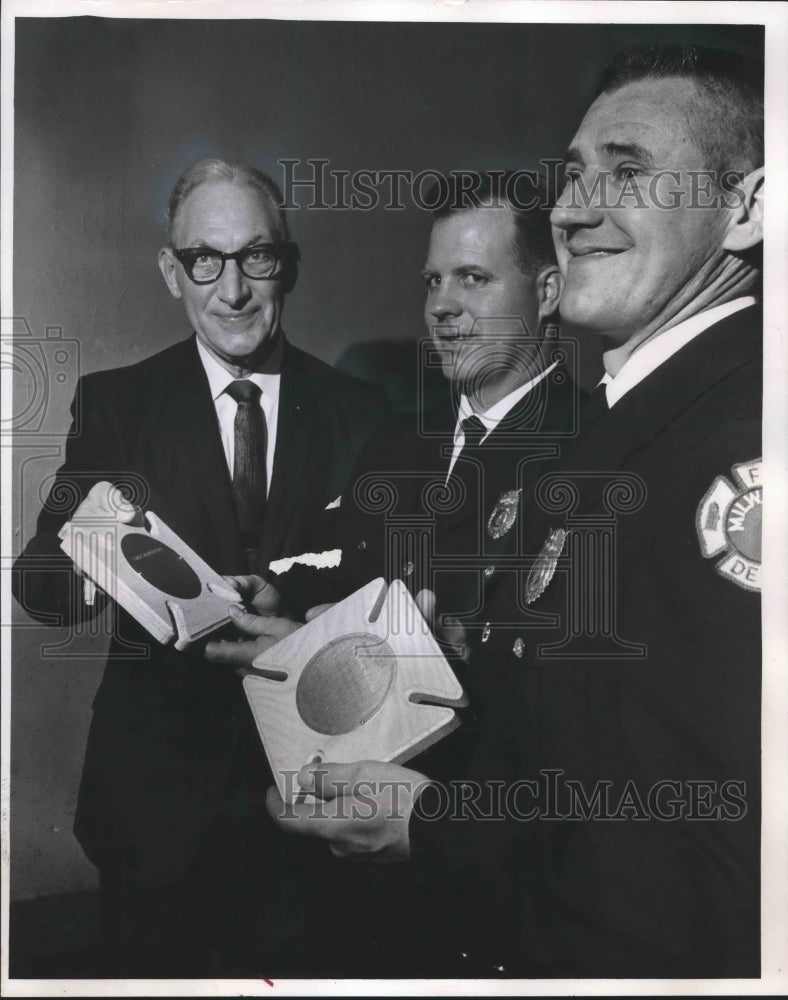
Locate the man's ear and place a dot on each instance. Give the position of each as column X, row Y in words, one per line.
column 745, row 226
column 168, row 268
column 549, row 288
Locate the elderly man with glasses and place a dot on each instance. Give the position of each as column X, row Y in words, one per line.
column 238, row 441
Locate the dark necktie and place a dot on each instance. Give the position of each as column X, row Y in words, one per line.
column 474, row 430
column 464, row 468
column 249, row 476
column 594, row 405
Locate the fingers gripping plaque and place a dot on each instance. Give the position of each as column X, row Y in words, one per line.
column 154, row 575
column 363, row 681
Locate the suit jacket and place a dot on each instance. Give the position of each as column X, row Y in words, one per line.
column 400, row 518
column 635, row 675
column 171, row 745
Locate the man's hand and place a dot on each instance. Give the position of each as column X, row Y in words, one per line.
column 449, row 631
column 361, row 810
column 318, row 610
column 255, row 592
column 106, row 502
column 266, row 629
column 104, row 505
column 261, row 624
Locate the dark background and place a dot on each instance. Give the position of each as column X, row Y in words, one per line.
column 107, row 115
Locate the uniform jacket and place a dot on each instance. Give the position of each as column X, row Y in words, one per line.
column 171, row 742
column 635, row 675
column 400, row 518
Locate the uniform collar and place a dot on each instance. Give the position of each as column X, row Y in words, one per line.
column 657, row 350
column 495, row 414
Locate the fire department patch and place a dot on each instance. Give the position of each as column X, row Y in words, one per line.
column 729, row 524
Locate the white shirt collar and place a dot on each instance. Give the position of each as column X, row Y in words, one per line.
column 495, row 414
column 657, row 350
column 219, row 378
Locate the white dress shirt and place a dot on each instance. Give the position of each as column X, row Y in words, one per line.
column 491, row 417
column 656, row 351
column 219, row 378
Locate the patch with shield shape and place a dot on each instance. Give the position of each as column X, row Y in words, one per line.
column 728, row 522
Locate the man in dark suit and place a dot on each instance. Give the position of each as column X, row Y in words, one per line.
column 426, row 483
column 608, row 825
column 238, row 441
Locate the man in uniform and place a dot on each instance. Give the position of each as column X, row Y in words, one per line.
column 613, row 829
column 425, row 483
column 492, row 284
column 238, row 441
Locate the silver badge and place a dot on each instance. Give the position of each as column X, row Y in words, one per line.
column 504, row 513
column 544, row 568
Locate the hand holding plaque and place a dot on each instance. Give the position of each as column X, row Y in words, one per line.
column 146, row 568
column 365, row 680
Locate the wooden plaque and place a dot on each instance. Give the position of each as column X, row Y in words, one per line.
column 366, row 680
column 154, row 575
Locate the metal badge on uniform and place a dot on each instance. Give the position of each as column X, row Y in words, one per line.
column 543, row 570
column 729, row 524
column 504, row 514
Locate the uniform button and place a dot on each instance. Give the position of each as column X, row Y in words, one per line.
column 409, row 567
column 518, row 648
column 486, row 632
column 361, row 545
column 489, row 570
column 500, row 969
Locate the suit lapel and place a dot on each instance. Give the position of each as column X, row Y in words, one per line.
column 652, row 404
column 199, row 454
column 514, row 455
column 435, row 457
column 297, row 414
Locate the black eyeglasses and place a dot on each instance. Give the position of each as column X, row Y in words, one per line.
column 262, row 262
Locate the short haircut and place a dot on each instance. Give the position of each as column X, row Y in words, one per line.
column 213, row 171
column 525, row 192
column 728, row 117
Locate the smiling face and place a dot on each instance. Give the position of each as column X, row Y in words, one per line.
column 481, row 309
column 636, row 253
column 237, row 319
